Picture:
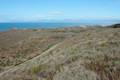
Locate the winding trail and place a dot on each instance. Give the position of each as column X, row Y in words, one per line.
column 28, row 64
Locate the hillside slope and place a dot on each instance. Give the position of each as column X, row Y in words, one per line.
column 73, row 54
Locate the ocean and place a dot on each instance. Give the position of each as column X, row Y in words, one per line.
column 9, row 26
column 31, row 25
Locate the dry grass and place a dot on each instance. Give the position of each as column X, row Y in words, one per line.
column 83, row 54
column 105, row 68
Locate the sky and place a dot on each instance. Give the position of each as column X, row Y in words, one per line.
column 48, row 10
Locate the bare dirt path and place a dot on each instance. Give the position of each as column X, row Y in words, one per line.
column 28, row 64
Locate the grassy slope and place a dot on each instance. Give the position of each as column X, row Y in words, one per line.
column 75, row 54
column 19, row 46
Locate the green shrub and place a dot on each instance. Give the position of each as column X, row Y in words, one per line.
column 37, row 69
column 35, row 30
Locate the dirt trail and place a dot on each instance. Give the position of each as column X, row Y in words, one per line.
column 28, row 64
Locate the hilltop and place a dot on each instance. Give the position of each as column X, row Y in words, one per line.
column 78, row 53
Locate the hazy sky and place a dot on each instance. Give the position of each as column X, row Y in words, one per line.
column 37, row 10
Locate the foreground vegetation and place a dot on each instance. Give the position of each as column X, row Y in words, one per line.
column 60, row 54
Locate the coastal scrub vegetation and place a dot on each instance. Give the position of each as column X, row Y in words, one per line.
column 61, row 54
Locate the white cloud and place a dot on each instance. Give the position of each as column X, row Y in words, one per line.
column 48, row 16
column 56, row 13
column 52, row 15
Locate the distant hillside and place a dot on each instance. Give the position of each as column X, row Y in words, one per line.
column 115, row 26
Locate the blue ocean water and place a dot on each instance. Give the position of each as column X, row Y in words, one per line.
column 31, row 25
column 9, row 26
